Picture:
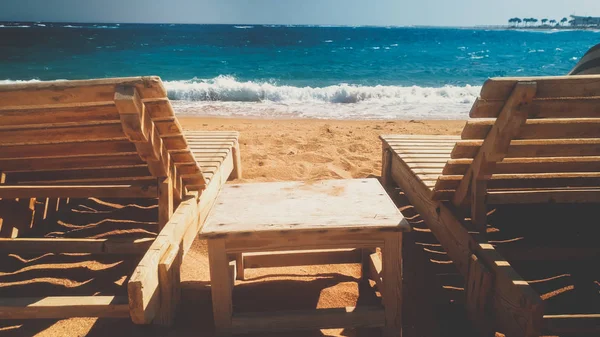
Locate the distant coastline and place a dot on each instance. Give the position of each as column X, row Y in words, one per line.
column 541, row 28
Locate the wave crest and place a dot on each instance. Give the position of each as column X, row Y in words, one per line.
column 228, row 89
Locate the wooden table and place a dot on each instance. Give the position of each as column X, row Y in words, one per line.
column 262, row 218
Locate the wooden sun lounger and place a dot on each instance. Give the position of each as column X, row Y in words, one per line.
column 529, row 140
column 108, row 138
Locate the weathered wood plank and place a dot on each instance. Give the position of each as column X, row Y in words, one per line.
column 74, row 245
column 391, row 259
column 528, row 181
column 301, row 258
column 268, row 206
column 79, row 191
column 375, row 269
column 535, row 148
column 80, row 133
column 63, row 307
column 165, row 201
column 143, row 287
column 531, row 165
column 237, row 162
column 571, row 195
column 169, row 127
column 159, row 107
column 75, row 162
column 548, row 87
column 66, row 149
column 349, row 317
column 79, row 174
column 58, row 113
column 540, row 128
column 220, row 288
column 175, row 142
column 479, row 287
column 577, row 107
column 169, row 274
column 136, row 122
column 66, row 92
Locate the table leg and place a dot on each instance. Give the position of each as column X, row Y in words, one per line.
column 239, row 266
column 220, row 285
column 392, row 284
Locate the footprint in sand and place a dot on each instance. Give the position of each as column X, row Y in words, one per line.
column 339, row 172
column 313, row 158
column 357, row 147
column 359, row 158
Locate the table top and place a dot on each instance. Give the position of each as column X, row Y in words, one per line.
column 344, row 205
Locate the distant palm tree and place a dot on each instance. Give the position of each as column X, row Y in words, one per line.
column 518, row 21
column 544, row 21
column 563, row 20
column 534, row 20
column 552, row 22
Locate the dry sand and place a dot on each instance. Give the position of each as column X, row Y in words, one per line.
column 272, row 150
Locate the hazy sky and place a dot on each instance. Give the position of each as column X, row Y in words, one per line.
column 333, row 12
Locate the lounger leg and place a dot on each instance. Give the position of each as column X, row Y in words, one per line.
column 237, row 162
column 478, row 206
column 169, row 275
column 165, row 201
column 392, row 283
column 386, row 162
column 220, row 285
column 239, row 266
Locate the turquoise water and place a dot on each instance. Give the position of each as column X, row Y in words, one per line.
column 282, row 71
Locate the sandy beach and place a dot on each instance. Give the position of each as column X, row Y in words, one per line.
column 272, row 150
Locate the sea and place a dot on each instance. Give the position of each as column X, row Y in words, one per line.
column 278, row 71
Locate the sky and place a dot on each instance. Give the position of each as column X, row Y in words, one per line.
column 312, row 12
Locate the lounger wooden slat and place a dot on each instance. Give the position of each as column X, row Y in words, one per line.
column 78, row 173
column 20, row 165
column 558, row 128
column 58, row 113
column 159, row 107
column 548, row 87
column 87, row 246
column 535, row 148
column 66, row 149
column 65, row 92
column 531, row 140
column 109, row 138
column 112, row 131
column 543, row 108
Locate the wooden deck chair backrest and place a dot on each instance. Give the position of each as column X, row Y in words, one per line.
column 92, row 138
column 529, row 140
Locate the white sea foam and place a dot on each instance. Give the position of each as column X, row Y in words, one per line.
column 243, row 27
column 225, row 96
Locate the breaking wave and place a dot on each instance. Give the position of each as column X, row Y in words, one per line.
column 224, row 96
column 228, row 89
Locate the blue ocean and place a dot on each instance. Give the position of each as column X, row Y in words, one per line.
column 269, row 71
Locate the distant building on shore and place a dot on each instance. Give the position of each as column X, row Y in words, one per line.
column 584, row 21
